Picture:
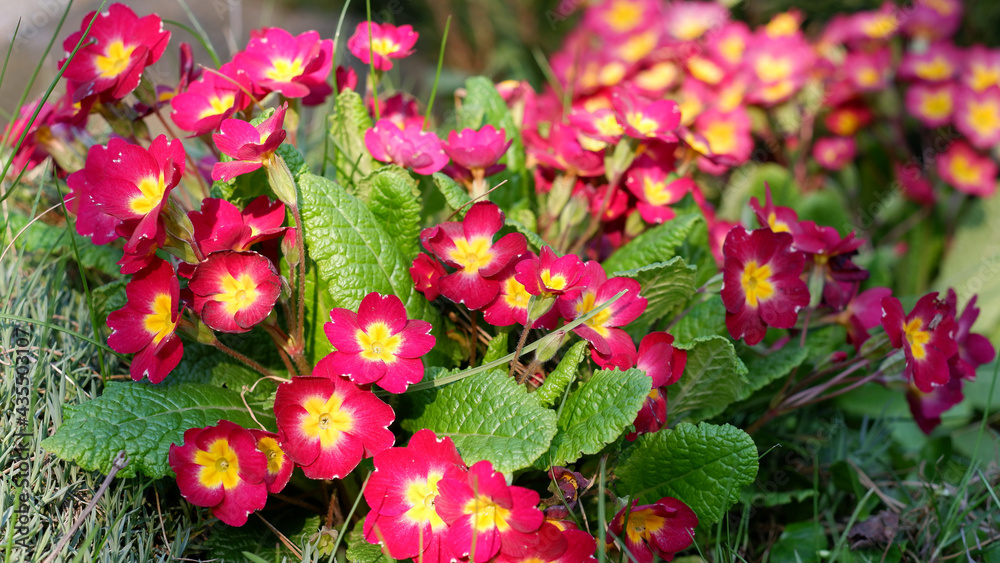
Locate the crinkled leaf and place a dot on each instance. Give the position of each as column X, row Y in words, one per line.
column 230, row 543
column 454, row 194
column 667, row 286
column 360, row 551
column 556, row 382
column 655, row 245
column 318, row 305
column 491, row 417
column 713, row 379
column 706, row 466
column 143, row 420
column 205, row 365
column 394, row 199
column 704, row 319
column 596, row 414
column 762, row 370
column 497, row 348
column 354, row 253
column 348, row 124
column 535, row 240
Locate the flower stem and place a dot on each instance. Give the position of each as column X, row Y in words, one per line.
column 250, row 363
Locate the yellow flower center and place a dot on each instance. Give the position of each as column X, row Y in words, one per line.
column 782, row 25
column 487, row 515
column 597, row 322
column 326, row 419
column 983, row 77
column 917, row 338
column 556, row 282
column 219, row 465
column 515, row 294
column 705, row 70
column 608, row 125
column 868, row 77
column 935, row 69
column 378, row 343
column 384, row 46
column 237, row 293
column 638, row 46
column 472, row 255
column 643, row 523
column 658, row 76
column 275, row 456
column 115, row 59
column 936, row 105
column 151, row 195
column 421, row 496
column 160, row 322
column 984, row 117
column 721, row 136
column 882, row 25
column 756, row 282
column 965, row 170
column 656, row 192
column 644, row 125
column 284, row 70
column 773, row 69
column 218, row 105
column 624, row 15
column 732, row 48
column 775, row 225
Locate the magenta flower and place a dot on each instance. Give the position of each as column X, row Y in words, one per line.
column 974, row 349
column 220, row 225
column 410, row 147
column 562, row 150
column 426, row 273
column 469, row 248
column 601, row 330
column 932, row 103
column 477, row 151
column 377, row 344
column 762, row 286
column 211, row 99
column 977, row 116
column 940, row 61
column 250, row 147
column 834, row 153
column 234, row 291
column 656, row 190
column 646, row 120
column 296, row 66
column 967, row 170
column 863, row 313
column 654, row 530
column 551, row 275
column 386, row 41
column 927, row 408
column 927, row 337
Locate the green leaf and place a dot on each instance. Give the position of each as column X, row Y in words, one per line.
column 714, row 377
column 667, row 286
column 353, row 253
column 655, row 245
column 534, row 239
column 762, row 369
column 109, row 297
column 455, row 195
column 706, row 466
column 205, row 365
column 42, row 237
column 564, row 374
column 490, row 417
column 318, row 305
column 230, row 544
column 143, row 420
column 348, row 125
column 394, row 199
column 497, row 348
column 360, row 551
column 706, row 318
column 596, row 414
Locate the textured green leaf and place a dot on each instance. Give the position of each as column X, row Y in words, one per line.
column 667, row 286
column 655, row 245
column 556, row 382
column 318, row 305
column 535, row 240
column 454, row 194
column 706, row 466
column 706, row 318
column 762, row 370
column 206, row 365
column 497, row 348
column 394, row 199
column 360, row 551
column 354, row 254
column 596, row 414
column 229, row 543
column 143, row 420
column 490, row 417
column 348, row 125
column 714, row 377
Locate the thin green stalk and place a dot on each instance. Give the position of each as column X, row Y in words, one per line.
column 371, row 60
column 203, row 35
column 48, row 92
column 986, row 414
column 201, row 39
column 347, row 520
column 10, row 49
column 333, row 99
column 602, row 518
column 336, row 35
column 437, row 75
column 850, row 524
column 83, row 276
column 509, row 357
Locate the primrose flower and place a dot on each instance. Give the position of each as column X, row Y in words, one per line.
column 234, row 291
column 296, row 66
column 656, row 190
column 967, row 170
column 914, row 182
column 727, row 140
column 570, row 484
column 601, row 330
column 484, row 515
column 664, row 364
column 119, row 46
column 551, row 275
column 646, row 120
column 146, row 325
column 132, row 185
column 386, row 41
column 927, row 337
column 411, row 147
column 279, row 467
column 847, row 119
column 834, row 153
column 654, row 530
column 403, row 492
column 378, row 344
column 869, row 71
column 91, row 221
column 511, row 304
column 552, row 544
column 426, row 273
column 863, row 313
column 927, row 408
column 761, row 283
column 345, row 79
column 598, row 128
column 215, row 96
column 562, row 150
column 219, row 467
column 327, row 424
column 931, row 103
column 977, row 116
column 220, row 225
column 477, row 151
column 250, row 147
column 468, row 246
column 400, row 108
column 779, row 66
column 933, row 19
column 940, row 61
column 982, row 68
column 974, row 349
